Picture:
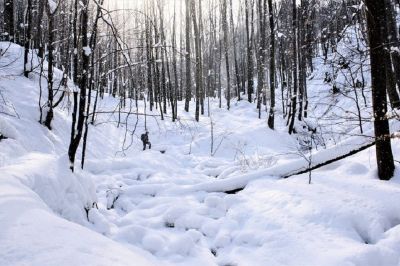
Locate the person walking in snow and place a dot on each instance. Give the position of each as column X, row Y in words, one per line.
column 145, row 139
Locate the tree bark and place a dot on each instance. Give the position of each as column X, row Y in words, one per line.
column 50, row 67
column 9, row 19
column 188, row 94
column 226, row 53
column 376, row 29
column 238, row 82
column 249, row 39
column 271, row 117
column 28, row 37
column 199, row 71
column 76, row 133
column 292, row 116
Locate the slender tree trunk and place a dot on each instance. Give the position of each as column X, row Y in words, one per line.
column 50, row 67
column 199, row 71
column 175, row 70
column 76, row 133
column 271, row 117
column 39, row 23
column 28, row 38
column 188, row 94
column 235, row 57
column 201, row 34
column 261, row 54
column 149, row 60
column 226, row 52
column 92, row 48
column 249, row 38
column 292, row 116
column 393, row 40
column 76, row 36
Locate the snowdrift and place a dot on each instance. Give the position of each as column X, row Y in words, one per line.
column 43, row 220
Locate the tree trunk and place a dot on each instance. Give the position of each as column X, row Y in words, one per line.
column 28, row 37
column 149, row 59
column 249, row 38
column 92, row 47
column 76, row 133
column 271, row 117
column 188, row 93
column 292, row 116
column 39, row 23
column 50, row 70
column 199, row 71
column 9, row 19
column 238, row 89
column 226, row 52
column 261, row 54
column 376, row 29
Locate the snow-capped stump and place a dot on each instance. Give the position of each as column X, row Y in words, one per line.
column 248, row 237
column 153, row 243
column 8, row 131
column 190, row 221
column 182, row 245
column 227, row 264
column 210, row 228
column 222, row 240
column 214, row 202
column 99, row 222
column 195, row 235
column 216, row 206
column 112, row 196
column 143, row 176
column 2, row 137
column 182, row 218
column 231, row 200
column 172, row 214
column 169, row 224
column 132, row 234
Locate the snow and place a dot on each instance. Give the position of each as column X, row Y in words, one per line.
column 31, row 234
column 43, row 218
column 154, row 208
column 53, row 6
column 87, row 50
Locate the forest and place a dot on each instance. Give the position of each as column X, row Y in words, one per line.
column 199, row 132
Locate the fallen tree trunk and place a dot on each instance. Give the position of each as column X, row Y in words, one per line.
column 315, row 167
column 299, row 172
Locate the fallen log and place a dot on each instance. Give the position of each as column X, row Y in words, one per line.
column 315, row 167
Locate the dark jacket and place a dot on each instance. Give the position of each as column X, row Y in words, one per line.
column 144, row 138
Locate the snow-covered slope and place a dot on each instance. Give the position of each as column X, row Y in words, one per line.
column 165, row 206
column 37, row 191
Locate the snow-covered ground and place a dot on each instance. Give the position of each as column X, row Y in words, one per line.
column 167, row 206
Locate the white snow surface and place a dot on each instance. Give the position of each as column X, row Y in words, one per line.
column 170, row 208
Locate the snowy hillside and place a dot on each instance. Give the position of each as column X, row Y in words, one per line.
column 169, row 206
